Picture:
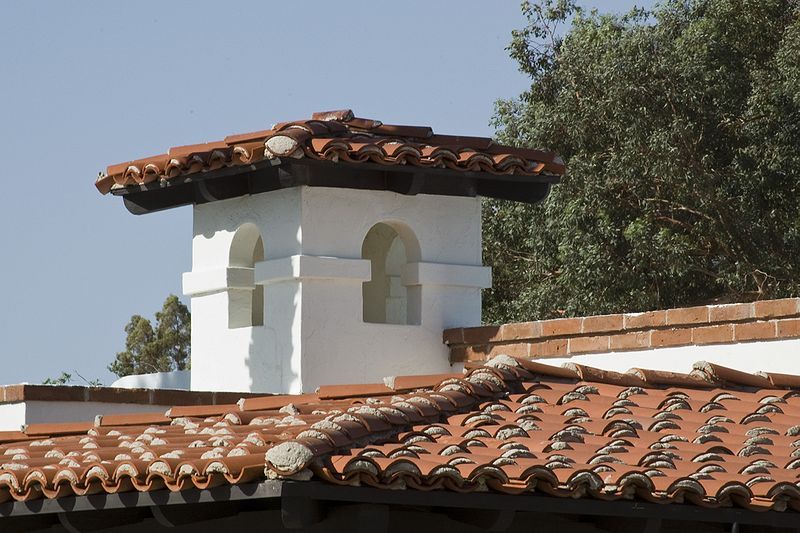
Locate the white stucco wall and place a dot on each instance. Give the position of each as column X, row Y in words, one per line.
column 12, row 416
column 15, row 415
column 175, row 380
column 781, row 356
column 313, row 272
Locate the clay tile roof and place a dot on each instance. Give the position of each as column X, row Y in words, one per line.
column 716, row 437
column 660, row 377
column 335, row 136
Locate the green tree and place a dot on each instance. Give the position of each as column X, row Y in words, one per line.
column 160, row 349
column 173, row 332
column 680, row 129
column 67, row 378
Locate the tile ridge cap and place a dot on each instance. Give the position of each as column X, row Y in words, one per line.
column 292, row 457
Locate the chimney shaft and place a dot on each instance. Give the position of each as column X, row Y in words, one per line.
column 303, row 286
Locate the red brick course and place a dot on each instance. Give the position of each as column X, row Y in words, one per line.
column 482, row 334
column 719, row 334
column 700, row 325
column 650, row 319
column 602, row 323
column 523, row 330
column 730, row 312
column 550, row 348
column 776, row 308
column 561, row 326
column 670, row 337
column 69, row 393
column 788, row 328
column 588, row 344
column 749, row 331
column 687, row 315
column 630, row 341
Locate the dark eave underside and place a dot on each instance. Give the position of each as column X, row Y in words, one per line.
column 232, row 182
column 278, row 505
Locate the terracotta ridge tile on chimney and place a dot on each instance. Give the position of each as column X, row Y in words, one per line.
column 361, row 140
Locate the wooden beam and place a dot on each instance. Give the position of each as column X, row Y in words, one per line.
column 629, row 525
column 652, row 525
column 372, row 518
column 300, row 513
column 267, row 489
column 202, row 190
column 87, row 521
column 539, row 503
column 181, row 515
column 66, row 523
column 25, row 524
column 308, row 502
column 264, row 176
column 486, row 519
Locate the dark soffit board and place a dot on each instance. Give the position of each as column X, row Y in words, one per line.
column 232, row 182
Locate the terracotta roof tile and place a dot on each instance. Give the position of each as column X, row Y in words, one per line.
column 782, row 380
column 275, row 402
column 717, row 438
column 200, row 410
column 333, row 392
column 718, row 373
column 13, row 436
column 660, row 377
column 407, row 383
column 132, row 419
column 57, row 428
column 336, row 136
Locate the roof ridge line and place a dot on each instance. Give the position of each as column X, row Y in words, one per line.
column 292, row 457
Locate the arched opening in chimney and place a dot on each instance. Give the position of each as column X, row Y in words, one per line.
column 246, row 302
column 386, row 300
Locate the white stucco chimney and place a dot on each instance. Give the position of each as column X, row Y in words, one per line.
column 299, row 287
column 331, row 250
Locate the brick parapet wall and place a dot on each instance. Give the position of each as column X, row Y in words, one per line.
column 701, row 325
column 76, row 393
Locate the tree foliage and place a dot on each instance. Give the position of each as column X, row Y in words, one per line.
column 160, row 349
column 680, row 129
column 67, row 378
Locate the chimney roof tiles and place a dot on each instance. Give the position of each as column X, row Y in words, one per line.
column 336, row 136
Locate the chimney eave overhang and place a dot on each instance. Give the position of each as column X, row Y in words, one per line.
column 269, row 175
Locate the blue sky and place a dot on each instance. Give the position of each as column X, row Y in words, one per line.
column 84, row 85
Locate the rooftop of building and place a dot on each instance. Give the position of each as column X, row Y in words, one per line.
column 713, row 437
